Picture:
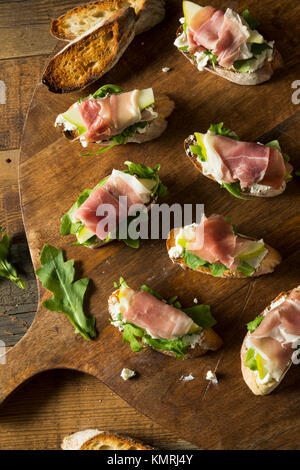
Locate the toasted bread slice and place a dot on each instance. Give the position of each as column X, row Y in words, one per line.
column 249, row 375
column 264, row 192
column 163, row 106
column 209, row 340
column 261, row 75
column 92, row 439
column 267, row 266
column 86, row 59
column 79, row 20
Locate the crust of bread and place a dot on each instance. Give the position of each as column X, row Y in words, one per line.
column 86, row 59
column 210, row 340
column 249, row 375
column 92, row 439
column 269, row 192
column 267, row 266
column 261, row 75
column 162, row 105
column 80, row 19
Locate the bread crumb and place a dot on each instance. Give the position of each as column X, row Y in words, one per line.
column 211, row 376
column 127, row 373
column 165, row 69
column 187, row 378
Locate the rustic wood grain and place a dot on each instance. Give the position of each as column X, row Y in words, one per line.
column 227, row 410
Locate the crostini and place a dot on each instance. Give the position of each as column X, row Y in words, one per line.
column 146, row 319
column 102, row 214
column 214, row 247
column 80, row 19
column 93, row 439
column 226, row 44
column 112, row 117
column 242, row 168
column 271, row 344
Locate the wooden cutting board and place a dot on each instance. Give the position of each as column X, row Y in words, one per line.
column 51, row 177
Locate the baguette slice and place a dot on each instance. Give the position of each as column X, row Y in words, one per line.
column 92, row 439
column 249, row 375
column 79, row 20
column 267, row 266
column 261, row 75
column 264, row 192
column 162, row 105
column 210, row 341
column 86, row 59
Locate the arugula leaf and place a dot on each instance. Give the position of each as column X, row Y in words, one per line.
column 122, row 283
column 252, row 22
column 218, row 129
column 250, row 360
column 197, row 150
column 57, row 276
column 217, row 270
column 184, row 48
column 235, row 190
column 246, row 269
column 201, row 315
column 258, row 49
column 151, row 291
column 193, row 261
column 107, row 90
column 252, row 325
column 212, row 57
column 143, row 171
column 276, row 145
column 176, row 345
column 243, row 65
column 130, row 335
column 7, row 270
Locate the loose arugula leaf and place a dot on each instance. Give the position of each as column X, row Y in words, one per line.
column 244, row 65
column 258, row 49
column 252, row 22
column 107, row 90
column 218, row 129
column 193, row 261
column 201, row 315
column 250, row 360
column 7, row 270
column 130, row 335
column 57, row 276
column 252, row 325
column 246, row 269
column 217, row 270
column 235, row 190
column 276, row 145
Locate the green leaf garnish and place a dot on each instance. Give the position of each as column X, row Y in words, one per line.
column 258, row 49
column 250, row 360
column 193, row 261
column 57, row 276
column 219, row 129
column 107, row 90
column 213, row 58
column 197, row 150
column 217, row 270
column 133, row 334
column 252, row 22
column 246, row 269
column 252, row 325
column 143, row 171
column 235, row 190
column 151, row 291
column 201, row 315
column 122, row 283
column 244, row 65
column 7, row 270
column 276, row 145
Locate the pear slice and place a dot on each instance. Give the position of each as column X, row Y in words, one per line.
column 84, row 235
column 189, row 10
column 148, row 183
column 262, row 371
column 200, row 142
column 145, row 98
column 255, row 37
column 194, row 329
column 254, row 249
column 73, row 115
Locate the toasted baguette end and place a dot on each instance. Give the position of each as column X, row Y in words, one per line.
column 92, row 439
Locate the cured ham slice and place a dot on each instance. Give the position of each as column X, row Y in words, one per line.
column 279, row 329
column 123, row 184
column 276, row 169
column 105, row 117
column 159, row 319
column 204, row 27
column 232, row 35
column 215, row 241
column 87, row 213
column 245, row 162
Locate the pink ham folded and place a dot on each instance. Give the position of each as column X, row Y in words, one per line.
column 271, row 337
column 106, row 117
column 216, row 243
column 87, row 213
column 159, row 319
column 217, row 32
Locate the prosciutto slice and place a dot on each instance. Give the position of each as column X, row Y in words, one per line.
column 159, row 319
column 87, row 213
column 279, row 329
column 105, row 117
column 276, row 169
column 123, row 184
column 221, row 33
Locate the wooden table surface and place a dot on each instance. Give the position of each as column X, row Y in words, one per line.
column 55, row 403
